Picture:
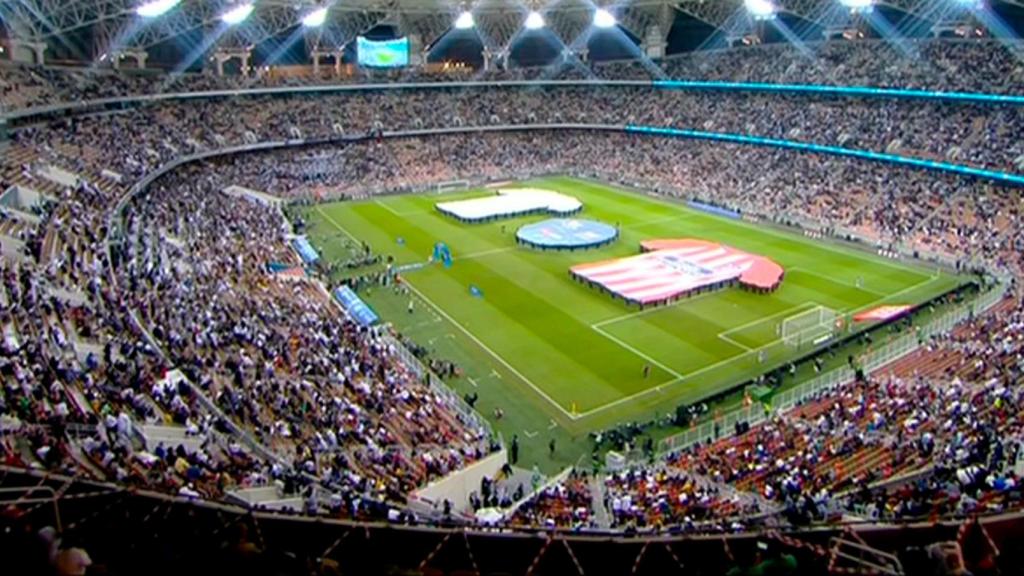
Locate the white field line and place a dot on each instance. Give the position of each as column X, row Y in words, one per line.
column 483, row 253
column 637, row 352
column 385, row 206
column 678, row 378
column 676, row 218
column 487, row 349
column 786, row 312
column 642, row 393
column 425, row 323
column 688, row 211
column 472, row 337
column 650, row 310
column 874, row 303
column 734, row 342
column 338, row 226
column 833, row 280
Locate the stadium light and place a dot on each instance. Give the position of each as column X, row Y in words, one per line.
column 604, row 18
column 465, row 21
column 237, row 15
column 858, row 5
column 760, row 8
column 315, row 18
column 155, row 8
column 534, row 21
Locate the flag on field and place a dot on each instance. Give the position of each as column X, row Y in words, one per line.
column 674, row 267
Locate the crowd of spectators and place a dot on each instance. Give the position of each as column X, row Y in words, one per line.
column 967, row 65
column 278, row 356
column 318, row 399
column 566, row 504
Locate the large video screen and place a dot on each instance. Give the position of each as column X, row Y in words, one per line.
column 382, row 53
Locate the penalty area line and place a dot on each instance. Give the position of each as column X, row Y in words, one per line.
column 650, row 310
column 788, row 311
column 801, row 270
column 734, row 342
column 635, row 351
column 396, row 212
column 698, row 372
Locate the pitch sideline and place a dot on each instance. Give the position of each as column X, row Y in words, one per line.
column 471, row 336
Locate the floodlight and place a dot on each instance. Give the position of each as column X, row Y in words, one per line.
column 315, row 18
column 465, row 21
column 534, row 21
column 604, row 18
column 154, row 8
column 236, row 15
column 760, row 8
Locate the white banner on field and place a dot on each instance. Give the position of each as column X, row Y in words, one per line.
column 510, row 202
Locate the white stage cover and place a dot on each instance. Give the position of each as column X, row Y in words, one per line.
column 510, row 202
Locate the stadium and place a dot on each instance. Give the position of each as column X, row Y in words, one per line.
column 511, row 286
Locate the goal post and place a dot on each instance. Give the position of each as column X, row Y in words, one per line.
column 451, row 186
column 808, row 325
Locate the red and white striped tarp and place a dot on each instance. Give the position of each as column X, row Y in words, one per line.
column 674, row 267
column 885, row 312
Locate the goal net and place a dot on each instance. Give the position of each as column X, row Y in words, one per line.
column 809, row 326
column 451, row 186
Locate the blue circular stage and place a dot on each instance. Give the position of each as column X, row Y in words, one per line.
column 566, row 234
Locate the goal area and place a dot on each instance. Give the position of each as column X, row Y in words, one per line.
column 809, row 326
column 451, row 186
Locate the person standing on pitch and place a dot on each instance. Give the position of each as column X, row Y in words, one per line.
column 647, row 370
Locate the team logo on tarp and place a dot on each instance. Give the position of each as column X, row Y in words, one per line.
column 670, row 268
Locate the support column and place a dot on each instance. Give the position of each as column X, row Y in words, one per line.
column 488, row 58
column 139, row 56
column 246, row 58
column 220, row 59
column 28, row 51
column 654, row 43
column 416, row 56
column 225, row 55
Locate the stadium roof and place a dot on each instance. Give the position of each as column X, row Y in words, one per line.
column 115, row 24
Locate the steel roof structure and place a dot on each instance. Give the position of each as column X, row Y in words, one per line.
column 113, row 24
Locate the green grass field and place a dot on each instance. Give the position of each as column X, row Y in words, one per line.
column 561, row 359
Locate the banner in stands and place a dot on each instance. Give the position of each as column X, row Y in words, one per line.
column 286, row 270
column 712, row 209
column 880, row 313
column 354, row 305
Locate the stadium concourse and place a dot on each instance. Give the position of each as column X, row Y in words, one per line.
column 154, row 371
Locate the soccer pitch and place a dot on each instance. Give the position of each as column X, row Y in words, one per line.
column 561, row 354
